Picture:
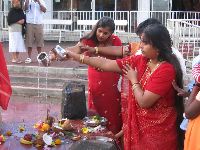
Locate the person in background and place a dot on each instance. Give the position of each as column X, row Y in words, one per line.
column 134, row 46
column 134, row 49
column 186, row 93
column 5, row 86
column 154, row 109
column 191, row 84
column 192, row 112
column 34, row 18
column 16, row 20
column 103, row 94
column 150, row 21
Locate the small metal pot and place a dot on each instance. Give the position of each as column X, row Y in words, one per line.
column 43, row 59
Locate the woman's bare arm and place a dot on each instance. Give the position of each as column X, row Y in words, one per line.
column 119, row 134
column 76, row 48
column 192, row 106
column 118, row 51
column 110, row 50
column 97, row 62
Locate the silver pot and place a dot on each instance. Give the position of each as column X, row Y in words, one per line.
column 43, row 59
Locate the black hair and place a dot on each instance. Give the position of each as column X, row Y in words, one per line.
column 158, row 36
column 140, row 28
column 103, row 22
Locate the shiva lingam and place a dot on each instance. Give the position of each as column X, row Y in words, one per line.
column 45, row 59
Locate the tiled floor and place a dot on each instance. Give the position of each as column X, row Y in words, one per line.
column 26, row 112
column 23, row 111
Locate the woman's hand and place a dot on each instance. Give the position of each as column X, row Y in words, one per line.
column 180, row 92
column 87, row 48
column 53, row 56
column 125, row 51
column 20, row 21
column 119, row 134
column 130, row 73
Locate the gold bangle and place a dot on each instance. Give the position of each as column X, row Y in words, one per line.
column 82, row 58
column 135, row 85
column 96, row 50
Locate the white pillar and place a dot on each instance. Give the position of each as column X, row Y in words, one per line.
column 144, row 6
column 0, row 5
column 5, row 5
column 115, row 5
column 93, row 8
column 71, row 5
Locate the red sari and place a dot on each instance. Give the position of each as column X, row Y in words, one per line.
column 133, row 47
column 5, row 87
column 151, row 128
column 103, row 94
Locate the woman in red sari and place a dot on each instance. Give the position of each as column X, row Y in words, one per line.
column 154, row 110
column 5, row 87
column 103, row 94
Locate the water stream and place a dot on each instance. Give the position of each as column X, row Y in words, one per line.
column 38, row 80
column 48, row 104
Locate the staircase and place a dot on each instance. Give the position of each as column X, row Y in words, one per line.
column 34, row 81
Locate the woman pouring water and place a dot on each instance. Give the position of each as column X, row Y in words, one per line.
column 154, row 109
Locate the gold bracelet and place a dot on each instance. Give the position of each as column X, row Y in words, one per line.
column 96, row 50
column 82, row 58
column 135, row 85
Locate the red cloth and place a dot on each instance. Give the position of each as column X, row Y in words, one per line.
column 151, row 128
column 103, row 94
column 5, row 87
column 133, row 47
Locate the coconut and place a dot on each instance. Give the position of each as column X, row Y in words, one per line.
column 67, row 125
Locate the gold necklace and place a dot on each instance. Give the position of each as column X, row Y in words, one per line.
column 149, row 74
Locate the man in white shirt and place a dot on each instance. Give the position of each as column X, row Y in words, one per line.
column 34, row 19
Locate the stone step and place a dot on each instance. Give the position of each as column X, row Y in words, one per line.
column 25, row 79
column 55, row 71
column 46, row 93
column 32, row 91
column 28, row 80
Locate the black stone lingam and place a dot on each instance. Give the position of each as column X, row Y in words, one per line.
column 73, row 100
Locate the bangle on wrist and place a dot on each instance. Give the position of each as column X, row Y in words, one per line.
column 96, row 50
column 82, row 58
column 135, row 85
